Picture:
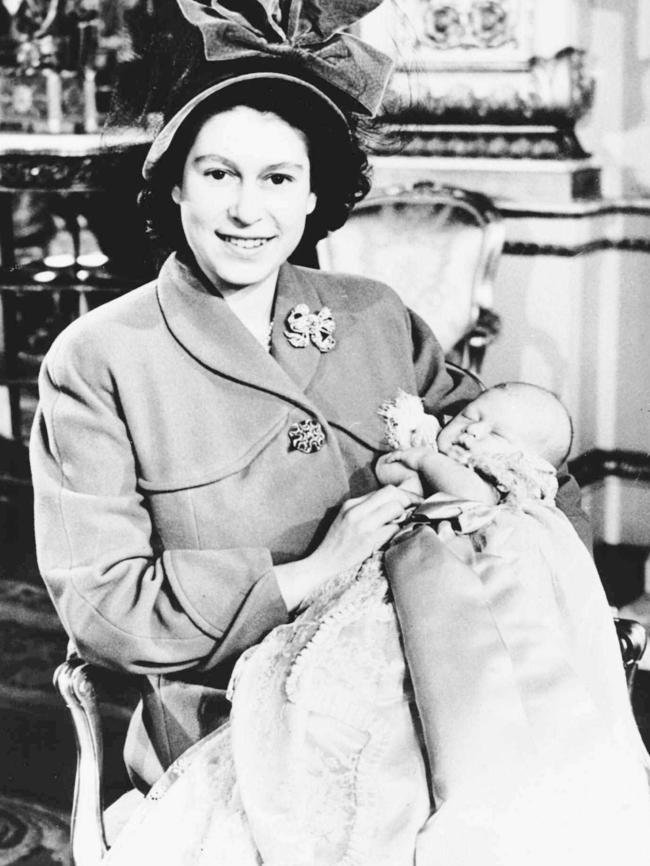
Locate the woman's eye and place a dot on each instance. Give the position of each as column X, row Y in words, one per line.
column 279, row 179
column 217, row 173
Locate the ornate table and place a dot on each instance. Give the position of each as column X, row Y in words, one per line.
column 88, row 165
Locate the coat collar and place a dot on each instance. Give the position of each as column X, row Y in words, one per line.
column 207, row 328
column 293, row 289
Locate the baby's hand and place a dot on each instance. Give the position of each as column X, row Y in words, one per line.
column 391, row 470
column 413, row 458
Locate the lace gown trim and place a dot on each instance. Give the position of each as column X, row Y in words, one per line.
column 324, row 700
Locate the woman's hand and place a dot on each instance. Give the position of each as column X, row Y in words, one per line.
column 361, row 527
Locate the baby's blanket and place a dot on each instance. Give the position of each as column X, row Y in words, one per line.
column 535, row 756
column 320, row 764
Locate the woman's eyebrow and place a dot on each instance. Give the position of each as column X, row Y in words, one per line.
column 279, row 166
column 215, row 157
column 228, row 163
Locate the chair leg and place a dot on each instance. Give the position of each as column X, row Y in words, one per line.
column 633, row 639
column 87, row 833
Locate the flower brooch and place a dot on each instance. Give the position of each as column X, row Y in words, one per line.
column 306, row 436
column 303, row 327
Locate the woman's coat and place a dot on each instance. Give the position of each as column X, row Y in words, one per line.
column 166, row 488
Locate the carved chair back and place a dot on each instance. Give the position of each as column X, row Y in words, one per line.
column 439, row 248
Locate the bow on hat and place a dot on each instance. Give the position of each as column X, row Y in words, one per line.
column 306, row 31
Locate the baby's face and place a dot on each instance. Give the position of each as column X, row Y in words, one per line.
column 491, row 424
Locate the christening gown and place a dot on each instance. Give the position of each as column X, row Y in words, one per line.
column 515, row 745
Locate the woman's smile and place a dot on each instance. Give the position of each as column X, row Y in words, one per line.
column 243, row 206
column 244, row 243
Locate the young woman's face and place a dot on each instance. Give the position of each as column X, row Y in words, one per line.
column 244, row 196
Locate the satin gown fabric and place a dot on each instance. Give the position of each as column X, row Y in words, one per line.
column 534, row 753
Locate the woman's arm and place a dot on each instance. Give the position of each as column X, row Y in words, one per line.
column 443, row 392
column 568, row 500
column 362, row 526
column 126, row 603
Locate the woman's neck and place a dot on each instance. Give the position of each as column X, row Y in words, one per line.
column 265, row 286
column 253, row 306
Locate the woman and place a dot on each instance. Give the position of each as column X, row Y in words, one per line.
column 203, row 452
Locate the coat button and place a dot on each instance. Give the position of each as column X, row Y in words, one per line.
column 306, row 436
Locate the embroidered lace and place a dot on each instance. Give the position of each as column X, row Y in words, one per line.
column 323, row 700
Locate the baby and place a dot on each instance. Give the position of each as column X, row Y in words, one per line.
column 509, row 441
column 509, row 642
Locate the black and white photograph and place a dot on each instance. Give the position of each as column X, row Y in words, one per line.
column 324, row 432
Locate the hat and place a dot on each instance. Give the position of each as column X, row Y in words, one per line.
column 339, row 69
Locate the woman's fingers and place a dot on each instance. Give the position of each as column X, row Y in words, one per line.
column 384, row 535
column 388, row 512
column 380, row 497
column 367, row 517
column 362, row 526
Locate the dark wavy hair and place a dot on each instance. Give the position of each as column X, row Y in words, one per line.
column 340, row 173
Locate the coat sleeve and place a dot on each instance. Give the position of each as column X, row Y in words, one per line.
column 443, row 392
column 447, row 392
column 126, row 604
column 568, row 500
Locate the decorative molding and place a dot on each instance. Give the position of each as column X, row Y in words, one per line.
column 493, row 142
column 518, row 248
column 453, row 31
column 596, row 209
column 486, row 24
column 598, row 464
column 553, row 91
column 538, row 183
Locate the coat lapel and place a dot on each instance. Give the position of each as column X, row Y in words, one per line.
column 331, row 379
column 206, row 327
column 300, row 364
column 324, row 384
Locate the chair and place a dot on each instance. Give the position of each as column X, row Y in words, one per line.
column 633, row 639
column 439, row 248
column 79, row 684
